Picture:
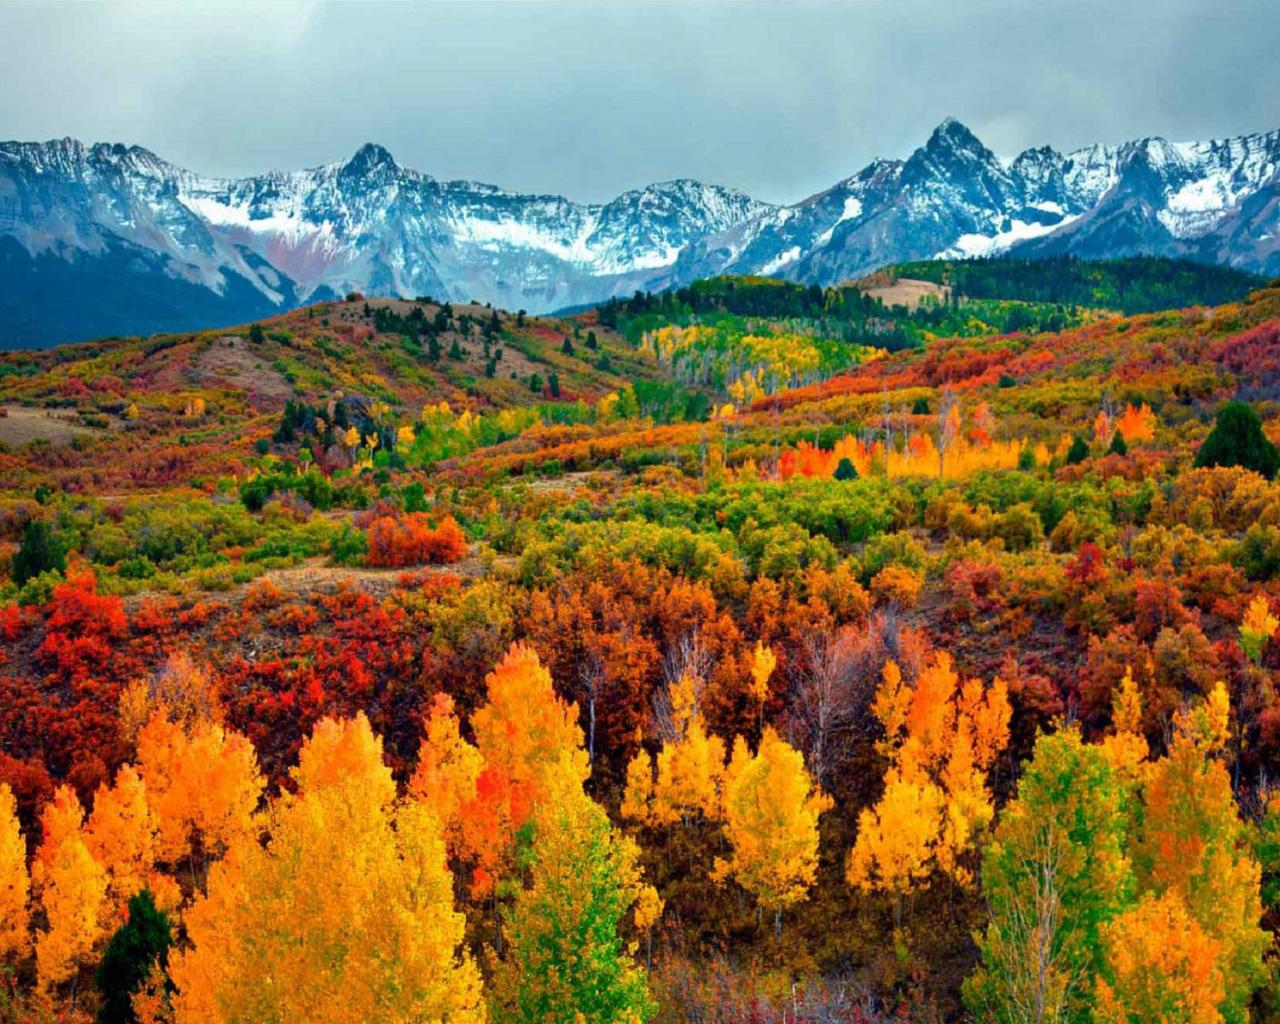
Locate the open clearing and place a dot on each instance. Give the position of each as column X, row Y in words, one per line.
column 903, row 291
column 21, row 425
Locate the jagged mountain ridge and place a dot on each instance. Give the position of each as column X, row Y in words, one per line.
column 953, row 197
column 109, row 238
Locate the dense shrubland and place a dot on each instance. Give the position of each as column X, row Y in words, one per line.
column 934, row 685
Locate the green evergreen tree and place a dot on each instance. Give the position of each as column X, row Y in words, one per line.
column 920, row 407
column 1078, row 452
column 1118, row 447
column 553, row 384
column 567, row 346
column 1237, row 440
column 39, row 551
column 846, row 470
column 256, row 334
column 139, row 943
column 592, row 342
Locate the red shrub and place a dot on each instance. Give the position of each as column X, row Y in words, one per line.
column 409, row 539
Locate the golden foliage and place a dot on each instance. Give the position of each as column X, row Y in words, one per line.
column 1257, row 627
column 941, row 738
column 771, row 811
column 15, row 886
column 201, row 785
column 346, row 914
column 72, row 887
column 1161, row 966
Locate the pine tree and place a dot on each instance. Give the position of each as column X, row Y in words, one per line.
column 40, row 551
column 140, row 944
column 1237, row 440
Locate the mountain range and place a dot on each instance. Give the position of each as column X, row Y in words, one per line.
column 107, row 238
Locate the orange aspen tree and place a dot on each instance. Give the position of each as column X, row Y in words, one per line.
column 121, row 836
column 15, row 887
column 202, row 786
column 1193, row 844
column 1160, row 966
column 448, row 767
column 1136, row 423
column 526, row 737
column 941, row 739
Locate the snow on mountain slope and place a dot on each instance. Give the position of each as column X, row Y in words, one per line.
column 953, row 197
column 366, row 224
column 91, row 216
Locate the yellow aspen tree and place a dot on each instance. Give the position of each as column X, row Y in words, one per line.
column 15, row 886
column 689, row 767
column 763, row 662
column 637, row 797
column 648, row 912
column 346, row 913
column 1257, row 627
column 689, row 773
column 1126, row 748
column 897, row 838
column 771, row 811
column 73, row 889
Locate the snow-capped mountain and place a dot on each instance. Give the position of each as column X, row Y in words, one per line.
column 132, row 243
column 112, row 238
column 953, row 197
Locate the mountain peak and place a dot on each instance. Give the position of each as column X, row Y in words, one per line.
column 953, row 133
column 370, row 157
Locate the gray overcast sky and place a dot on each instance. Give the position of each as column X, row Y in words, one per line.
column 588, row 99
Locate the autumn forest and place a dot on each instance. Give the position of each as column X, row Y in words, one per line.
column 905, row 650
